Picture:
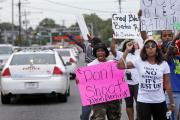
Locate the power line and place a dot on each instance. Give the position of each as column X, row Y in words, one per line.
column 57, row 11
column 47, row 10
column 62, row 4
column 67, row 5
column 1, row 1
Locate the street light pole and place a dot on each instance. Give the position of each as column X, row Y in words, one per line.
column 12, row 29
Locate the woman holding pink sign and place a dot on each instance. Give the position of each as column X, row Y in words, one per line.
column 110, row 109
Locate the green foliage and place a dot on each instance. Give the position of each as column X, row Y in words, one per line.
column 106, row 32
column 48, row 22
column 96, row 21
column 101, row 28
column 6, row 26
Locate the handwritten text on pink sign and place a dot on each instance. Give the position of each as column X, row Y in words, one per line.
column 101, row 83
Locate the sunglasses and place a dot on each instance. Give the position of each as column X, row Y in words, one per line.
column 150, row 45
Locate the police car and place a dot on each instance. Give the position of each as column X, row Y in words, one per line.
column 34, row 72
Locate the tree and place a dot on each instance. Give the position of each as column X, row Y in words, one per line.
column 106, row 31
column 95, row 21
column 7, row 26
column 101, row 28
column 48, row 23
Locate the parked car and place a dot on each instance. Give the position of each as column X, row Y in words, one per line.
column 69, row 59
column 5, row 52
column 75, row 52
column 34, row 72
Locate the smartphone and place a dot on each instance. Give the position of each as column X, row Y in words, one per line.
column 128, row 75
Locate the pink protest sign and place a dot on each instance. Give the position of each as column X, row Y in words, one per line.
column 101, row 83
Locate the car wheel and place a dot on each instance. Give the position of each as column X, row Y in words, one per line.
column 68, row 91
column 5, row 99
column 72, row 76
column 62, row 97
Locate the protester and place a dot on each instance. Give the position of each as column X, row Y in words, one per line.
column 172, row 52
column 152, row 71
column 178, row 117
column 89, row 57
column 166, row 35
column 131, row 75
column 87, row 46
column 112, row 108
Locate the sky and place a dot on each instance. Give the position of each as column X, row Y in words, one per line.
column 63, row 11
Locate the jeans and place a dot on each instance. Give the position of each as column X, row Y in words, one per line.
column 176, row 96
column 86, row 110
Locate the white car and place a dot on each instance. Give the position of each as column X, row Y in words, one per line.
column 34, row 72
column 69, row 59
column 75, row 52
column 5, row 52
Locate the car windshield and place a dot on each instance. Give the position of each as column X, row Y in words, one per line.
column 64, row 53
column 6, row 50
column 26, row 59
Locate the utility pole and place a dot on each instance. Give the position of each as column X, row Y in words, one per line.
column 120, row 6
column 26, row 23
column 20, row 39
column 63, row 22
column 12, row 27
column 26, row 26
column 62, row 40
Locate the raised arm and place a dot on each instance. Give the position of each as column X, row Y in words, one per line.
column 177, row 37
column 143, row 33
column 113, row 46
column 122, row 64
column 172, row 50
column 79, row 43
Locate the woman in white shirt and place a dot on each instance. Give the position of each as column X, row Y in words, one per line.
column 131, row 75
column 152, row 70
column 111, row 109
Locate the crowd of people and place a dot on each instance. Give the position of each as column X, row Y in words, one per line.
column 152, row 73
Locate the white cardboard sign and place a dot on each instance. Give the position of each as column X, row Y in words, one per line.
column 125, row 26
column 83, row 27
column 159, row 14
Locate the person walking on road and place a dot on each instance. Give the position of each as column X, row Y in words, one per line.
column 131, row 75
column 152, row 71
column 172, row 55
column 111, row 109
